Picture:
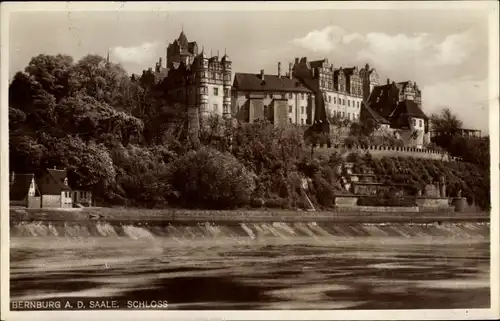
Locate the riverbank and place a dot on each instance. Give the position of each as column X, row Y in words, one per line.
column 135, row 215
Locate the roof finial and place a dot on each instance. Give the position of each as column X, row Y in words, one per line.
column 182, row 27
column 225, row 54
column 107, row 58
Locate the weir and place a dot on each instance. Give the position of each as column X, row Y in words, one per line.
column 248, row 230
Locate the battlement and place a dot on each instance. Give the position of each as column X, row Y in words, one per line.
column 381, row 151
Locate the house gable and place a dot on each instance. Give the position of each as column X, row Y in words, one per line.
column 22, row 186
column 53, row 182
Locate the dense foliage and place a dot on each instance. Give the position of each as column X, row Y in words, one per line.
column 120, row 137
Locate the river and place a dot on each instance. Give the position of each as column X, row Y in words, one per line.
column 255, row 266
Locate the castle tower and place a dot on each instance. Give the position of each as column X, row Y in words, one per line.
column 369, row 79
column 203, row 88
column 226, row 68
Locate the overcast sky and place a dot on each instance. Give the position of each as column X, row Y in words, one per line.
column 445, row 52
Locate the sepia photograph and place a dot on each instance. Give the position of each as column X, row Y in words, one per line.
column 243, row 157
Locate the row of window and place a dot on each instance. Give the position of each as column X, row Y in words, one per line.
column 204, row 91
column 342, row 101
column 225, row 108
column 81, row 194
column 283, row 95
column 415, row 122
column 343, row 114
column 302, row 109
column 302, row 121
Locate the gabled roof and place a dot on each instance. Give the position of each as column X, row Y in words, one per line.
column 253, row 82
column 20, row 186
column 56, row 185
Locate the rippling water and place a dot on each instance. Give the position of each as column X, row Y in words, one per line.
column 255, row 266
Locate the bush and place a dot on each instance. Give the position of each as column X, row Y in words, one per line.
column 211, row 179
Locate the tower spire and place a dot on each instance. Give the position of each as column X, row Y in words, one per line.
column 107, row 57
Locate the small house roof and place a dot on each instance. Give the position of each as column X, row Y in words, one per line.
column 20, row 186
column 57, row 185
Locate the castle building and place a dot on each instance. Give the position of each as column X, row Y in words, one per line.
column 281, row 99
column 194, row 80
column 339, row 92
column 400, row 105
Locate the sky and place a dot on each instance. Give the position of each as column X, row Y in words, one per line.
column 444, row 51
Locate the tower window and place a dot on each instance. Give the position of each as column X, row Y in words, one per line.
column 216, row 108
column 334, row 100
column 348, row 103
column 420, row 122
column 216, row 91
column 302, row 109
column 290, row 96
column 329, row 99
column 302, row 95
column 290, row 109
column 414, row 122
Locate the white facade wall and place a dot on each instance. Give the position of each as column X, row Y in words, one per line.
column 297, row 103
column 343, row 104
column 215, row 102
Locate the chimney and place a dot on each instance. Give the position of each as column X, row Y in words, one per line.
column 160, row 61
column 388, row 81
column 290, row 70
column 279, row 69
column 296, row 60
column 262, row 74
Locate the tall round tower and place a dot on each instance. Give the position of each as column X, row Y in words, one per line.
column 226, row 67
column 203, row 88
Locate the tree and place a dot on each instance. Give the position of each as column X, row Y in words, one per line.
column 445, row 123
column 209, row 178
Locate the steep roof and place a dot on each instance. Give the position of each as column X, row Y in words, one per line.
column 191, row 46
column 56, row 185
column 384, row 99
column 409, row 108
column 349, row 71
column 20, row 186
column 253, row 82
column 374, row 114
column 317, row 63
column 183, row 39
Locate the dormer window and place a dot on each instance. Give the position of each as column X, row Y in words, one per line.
column 65, row 181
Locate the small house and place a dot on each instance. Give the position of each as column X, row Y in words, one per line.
column 24, row 191
column 55, row 190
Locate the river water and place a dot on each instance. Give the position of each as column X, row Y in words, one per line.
column 255, row 266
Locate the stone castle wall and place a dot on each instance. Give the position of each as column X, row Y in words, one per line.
column 381, row 151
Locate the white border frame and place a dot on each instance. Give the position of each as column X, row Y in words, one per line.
column 492, row 313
